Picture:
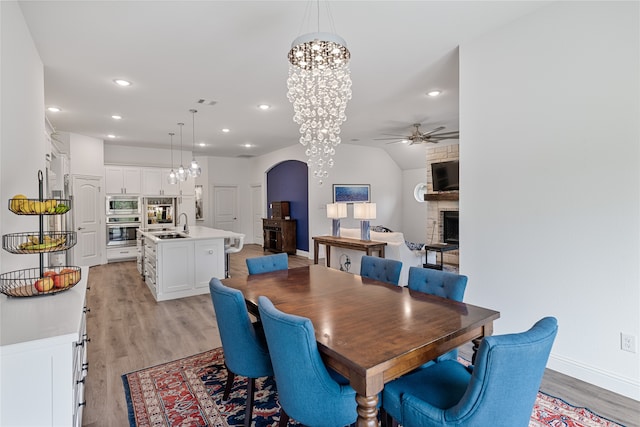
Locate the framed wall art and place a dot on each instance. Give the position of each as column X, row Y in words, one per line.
column 351, row 193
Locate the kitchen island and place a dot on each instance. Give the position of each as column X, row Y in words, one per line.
column 179, row 264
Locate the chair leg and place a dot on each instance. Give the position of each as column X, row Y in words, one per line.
column 227, row 389
column 248, row 414
column 284, row 418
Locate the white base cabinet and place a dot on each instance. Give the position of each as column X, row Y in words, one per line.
column 43, row 358
column 183, row 267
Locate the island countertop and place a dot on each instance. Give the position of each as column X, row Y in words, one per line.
column 196, row 232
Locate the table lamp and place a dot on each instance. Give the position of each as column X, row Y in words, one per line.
column 335, row 211
column 364, row 212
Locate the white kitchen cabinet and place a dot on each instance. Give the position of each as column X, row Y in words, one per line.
column 208, row 261
column 154, row 183
column 43, row 358
column 179, row 268
column 122, row 253
column 122, row 180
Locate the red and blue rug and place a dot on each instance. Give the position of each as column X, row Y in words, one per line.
column 188, row 393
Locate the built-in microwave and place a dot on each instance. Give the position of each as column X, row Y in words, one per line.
column 124, row 205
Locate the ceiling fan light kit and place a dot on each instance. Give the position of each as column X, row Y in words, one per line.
column 319, row 87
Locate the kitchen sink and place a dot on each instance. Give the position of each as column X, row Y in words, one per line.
column 164, row 236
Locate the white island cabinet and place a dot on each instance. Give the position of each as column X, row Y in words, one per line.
column 43, row 358
column 182, row 267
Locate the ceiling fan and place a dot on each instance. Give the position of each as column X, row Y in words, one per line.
column 418, row 136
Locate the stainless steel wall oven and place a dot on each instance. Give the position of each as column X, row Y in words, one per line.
column 121, row 230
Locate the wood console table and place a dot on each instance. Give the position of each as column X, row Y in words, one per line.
column 368, row 246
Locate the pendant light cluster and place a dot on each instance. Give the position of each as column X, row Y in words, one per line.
column 194, row 170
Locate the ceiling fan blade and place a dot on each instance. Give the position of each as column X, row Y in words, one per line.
column 453, row 132
column 439, row 128
column 394, row 134
column 391, row 139
column 400, row 141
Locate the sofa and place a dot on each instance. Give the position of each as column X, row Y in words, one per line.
column 349, row 259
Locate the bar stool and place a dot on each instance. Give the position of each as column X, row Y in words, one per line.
column 232, row 245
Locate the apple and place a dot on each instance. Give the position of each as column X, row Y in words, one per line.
column 59, row 281
column 49, row 273
column 44, row 285
column 69, row 276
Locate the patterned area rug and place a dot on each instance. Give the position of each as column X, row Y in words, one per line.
column 188, row 393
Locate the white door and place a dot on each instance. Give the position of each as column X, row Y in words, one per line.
column 256, row 214
column 225, row 207
column 87, row 216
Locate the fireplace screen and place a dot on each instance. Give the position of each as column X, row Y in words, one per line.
column 450, row 227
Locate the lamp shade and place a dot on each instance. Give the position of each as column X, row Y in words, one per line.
column 336, row 210
column 364, row 211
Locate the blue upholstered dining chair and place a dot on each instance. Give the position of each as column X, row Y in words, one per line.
column 267, row 263
column 437, row 282
column 382, row 269
column 308, row 392
column 499, row 391
column 440, row 283
column 243, row 342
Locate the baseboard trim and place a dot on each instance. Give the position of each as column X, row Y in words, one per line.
column 625, row 386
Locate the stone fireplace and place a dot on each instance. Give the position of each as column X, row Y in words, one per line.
column 442, row 212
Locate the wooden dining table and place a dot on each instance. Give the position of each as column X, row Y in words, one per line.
column 368, row 331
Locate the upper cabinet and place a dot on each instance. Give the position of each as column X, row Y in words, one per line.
column 146, row 181
column 155, row 183
column 122, row 180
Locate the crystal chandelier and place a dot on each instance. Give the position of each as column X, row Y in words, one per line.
column 172, row 178
column 194, row 170
column 319, row 86
column 182, row 173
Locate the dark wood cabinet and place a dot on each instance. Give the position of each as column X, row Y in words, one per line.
column 279, row 235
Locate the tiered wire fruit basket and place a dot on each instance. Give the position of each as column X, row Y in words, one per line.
column 39, row 280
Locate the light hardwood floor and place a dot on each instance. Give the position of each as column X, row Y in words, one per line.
column 130, row 331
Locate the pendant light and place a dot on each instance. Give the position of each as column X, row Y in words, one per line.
column 172, row 178
column 194, row 169
column 182, row 173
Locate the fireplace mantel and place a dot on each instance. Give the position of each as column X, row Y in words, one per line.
column 450, row 196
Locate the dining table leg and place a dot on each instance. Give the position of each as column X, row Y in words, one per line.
column 367, row 410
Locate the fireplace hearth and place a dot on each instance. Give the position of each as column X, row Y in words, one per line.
column 450, row 227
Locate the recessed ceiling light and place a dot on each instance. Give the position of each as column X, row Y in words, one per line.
column 264, row 106
column 434, row 93
column 202, row 144
column 111, row 135
column 116, row 117
column 225, row 130
column 247, row 145
column 121, row 82
column 54, row 109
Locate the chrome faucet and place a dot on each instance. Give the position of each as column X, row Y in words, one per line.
column 186, row 222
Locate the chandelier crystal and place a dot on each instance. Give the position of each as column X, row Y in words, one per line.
column 194, row 170
column 172, row 178
column 182, row 173
column 319, row 86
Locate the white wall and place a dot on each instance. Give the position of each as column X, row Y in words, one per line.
column 414, row 213
column 549, row 215
column 22, row 130
column 85, row 155
column 139, row 156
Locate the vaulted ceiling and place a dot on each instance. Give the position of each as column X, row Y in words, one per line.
column 224, row 58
